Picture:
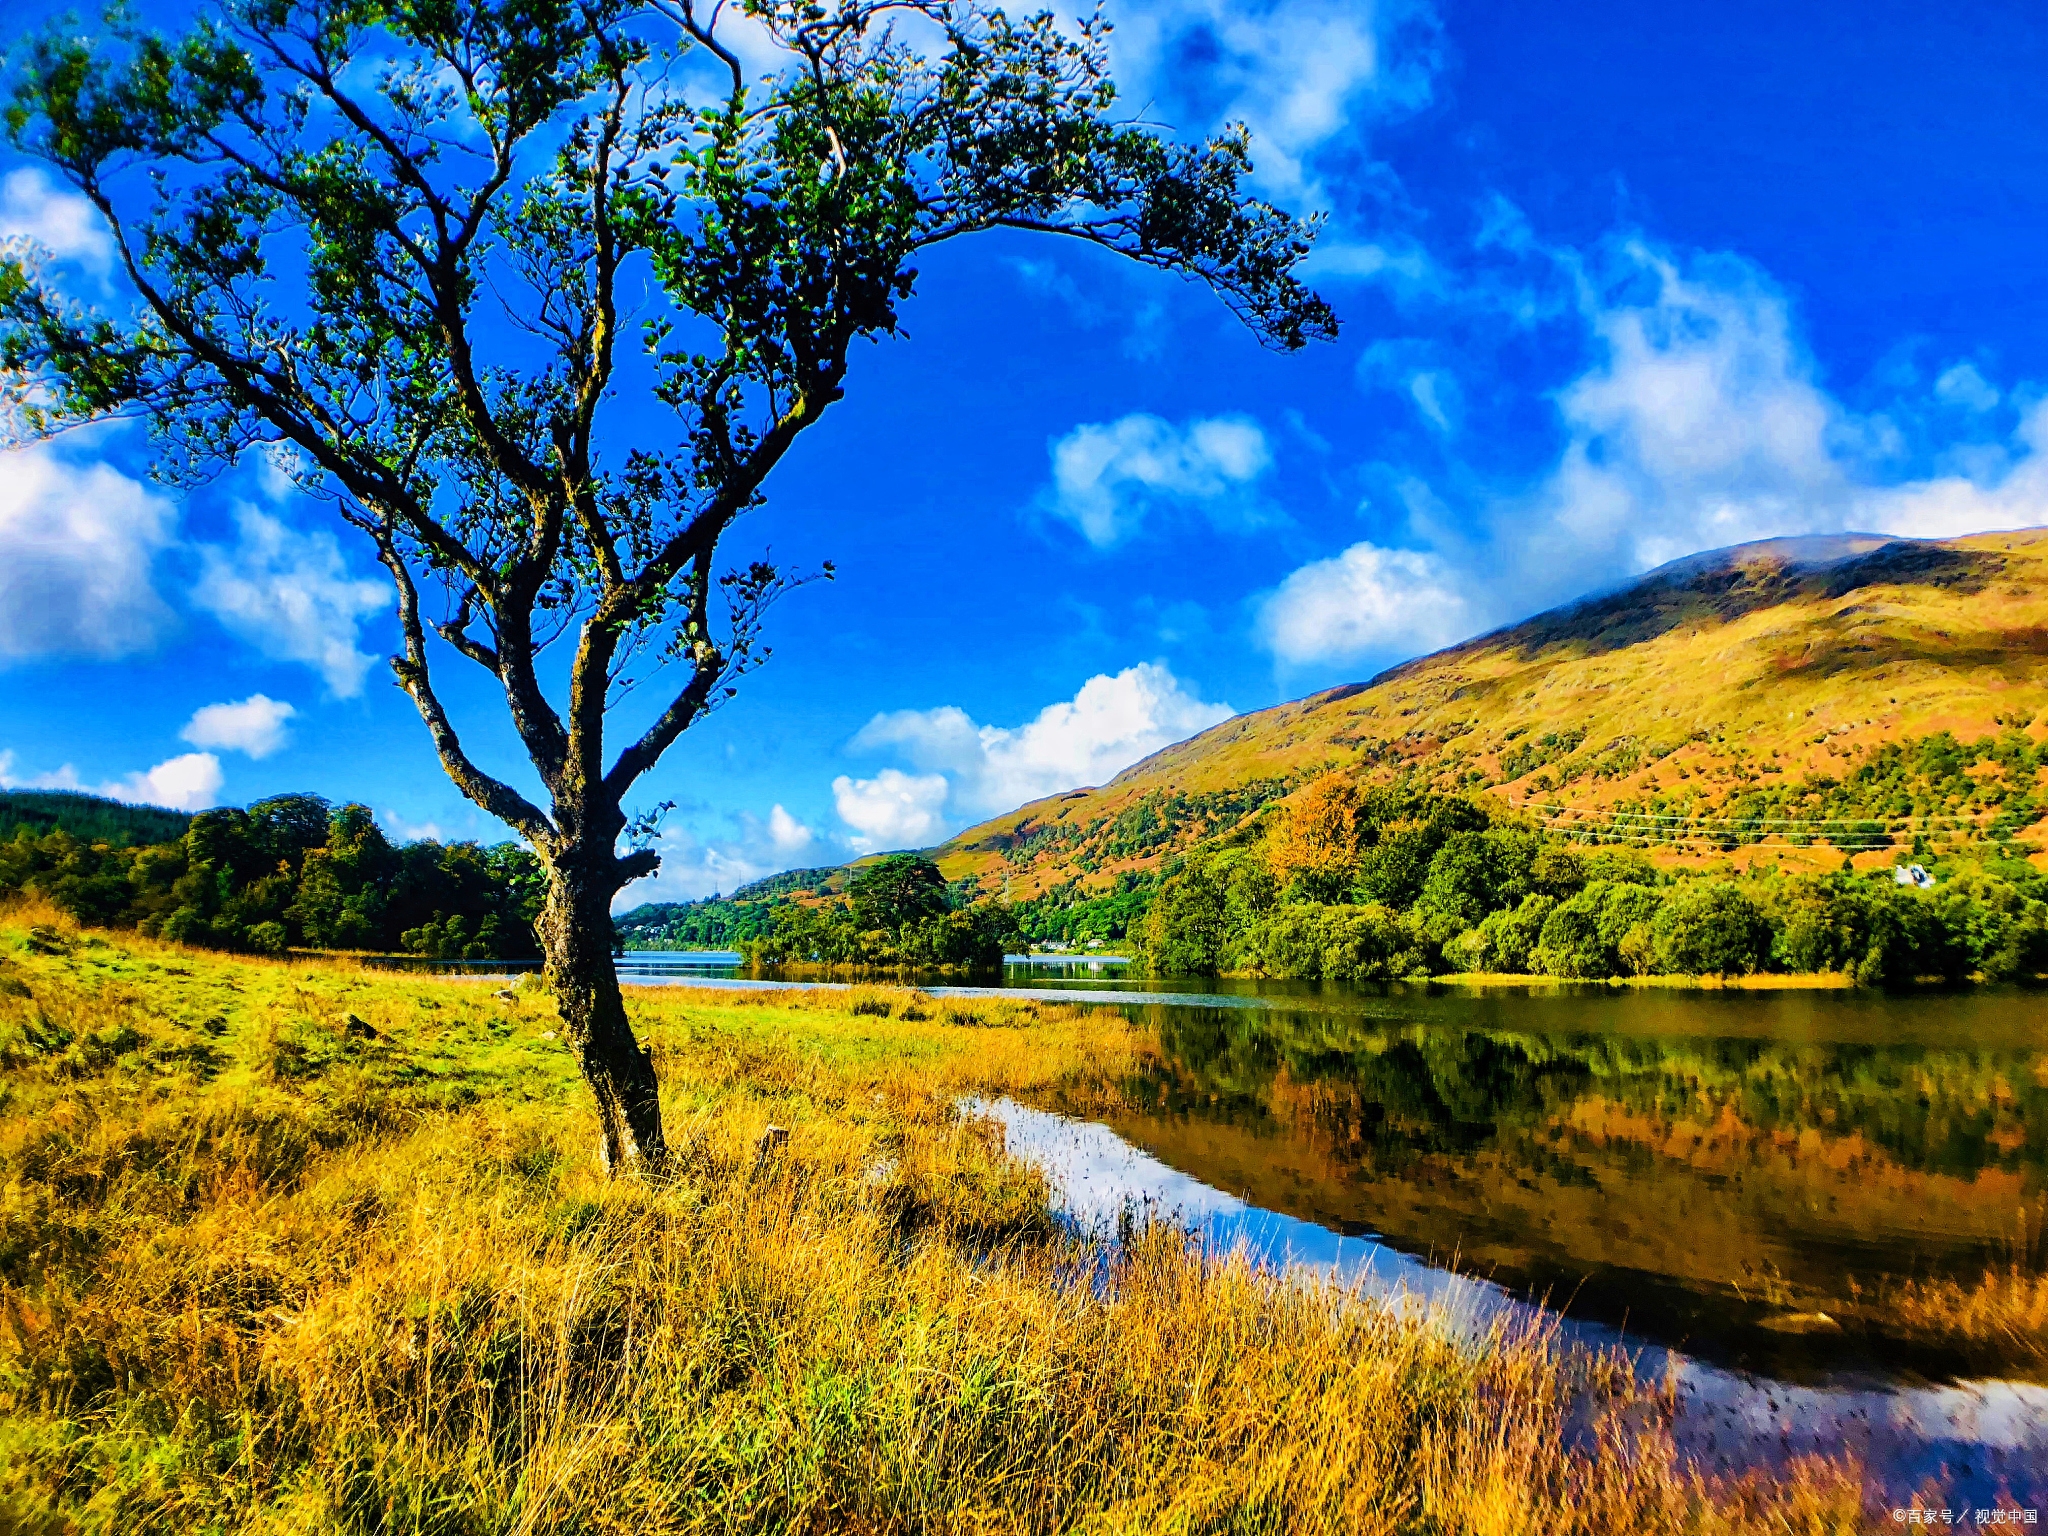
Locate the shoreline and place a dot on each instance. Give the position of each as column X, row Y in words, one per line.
column 423, row 1162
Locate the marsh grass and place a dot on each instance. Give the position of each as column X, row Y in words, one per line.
column 2004, row 1312
column 298, row 1247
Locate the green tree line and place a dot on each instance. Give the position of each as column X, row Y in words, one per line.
column 1352, row 883
column 723, row 922
column 897, row 912
column 288, row 873
column 92, row 817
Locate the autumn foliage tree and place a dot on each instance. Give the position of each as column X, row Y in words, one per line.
column 1315, row 846
column 535, row 294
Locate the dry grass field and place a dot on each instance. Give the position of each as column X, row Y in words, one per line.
column 301, row 1247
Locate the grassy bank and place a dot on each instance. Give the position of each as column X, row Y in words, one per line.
column 298, row 1247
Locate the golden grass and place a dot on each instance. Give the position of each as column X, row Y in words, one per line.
column 2006, row 1308
column 297, row 1247
column 2004, row 1311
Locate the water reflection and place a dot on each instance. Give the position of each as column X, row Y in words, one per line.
column 1980, row 1444
column 1745, row 1177
column 1084, row 972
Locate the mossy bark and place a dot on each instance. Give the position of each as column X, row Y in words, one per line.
column 575, row 931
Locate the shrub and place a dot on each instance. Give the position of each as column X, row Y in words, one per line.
column 1571, row 944
column 1185, row 931
column 1468, row 952
column 1309, row 941
column 1475, row 873
column 1502, row 942
column 1905, row 934
column 1368, row 943
column 1711, row 927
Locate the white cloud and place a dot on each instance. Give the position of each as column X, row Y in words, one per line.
column 785, row 833
column 693, row 867
column 1108, row 475
column 1963, row 385
column 187, row 783
column 76, row 545
column 1301, row 73
column 255, row 726
column 893, row 809
column 405, row 831
column 1109, row 724
column 291, row 596
column 35, row 209
column 1364, row 601
column 64, row 778
column 1700, row 423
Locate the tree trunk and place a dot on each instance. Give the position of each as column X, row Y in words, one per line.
column 575, row 931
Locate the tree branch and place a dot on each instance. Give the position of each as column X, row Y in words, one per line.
column 492, row 795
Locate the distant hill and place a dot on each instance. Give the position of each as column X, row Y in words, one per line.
column 724, row 922
column 1803, row 696
column 92, row 818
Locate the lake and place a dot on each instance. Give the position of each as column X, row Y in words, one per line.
column 1735, row 1182
column 1705, row 1169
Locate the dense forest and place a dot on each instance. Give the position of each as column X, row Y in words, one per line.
column 288, row 873
column 1352, row 882
column 897, row 912
column 91, row 817
column 1066, row 917
column 725, row 922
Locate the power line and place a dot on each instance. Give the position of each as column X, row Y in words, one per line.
column 1750, row 821
column 1734, row 835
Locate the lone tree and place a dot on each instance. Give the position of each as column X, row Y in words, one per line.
column 394, row 243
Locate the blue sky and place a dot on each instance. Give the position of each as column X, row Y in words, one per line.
column 1619, row 282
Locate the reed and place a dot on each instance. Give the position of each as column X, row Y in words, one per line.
column 2005, row 1309
column 299, row 1247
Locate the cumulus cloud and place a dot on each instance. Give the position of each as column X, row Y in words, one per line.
column 1365, row 601
column 694, row 866
column 1699, row 423
column 188, row 783
column 77, row 542
column 405, row 831
column 255, row 726
column 1109, row 724
column 63, row 778
column 1107, row 476
column 894, row 809
column 291, row 596
column 1303, row 74
column 36, row 210
column 786, row 834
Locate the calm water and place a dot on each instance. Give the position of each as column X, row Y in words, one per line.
column 1727, row 1183
column 1705, row 1170
column 1696, row 1174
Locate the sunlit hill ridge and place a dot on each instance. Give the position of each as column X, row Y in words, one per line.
column 1795, row 699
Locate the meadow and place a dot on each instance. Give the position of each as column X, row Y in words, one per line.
column 292, row 1245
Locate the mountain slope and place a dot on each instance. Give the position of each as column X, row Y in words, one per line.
column 1743, row 682
column 93, row 818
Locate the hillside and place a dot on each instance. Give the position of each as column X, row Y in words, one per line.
column 92, row 818
column 1793, row 698
column 724, row 922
